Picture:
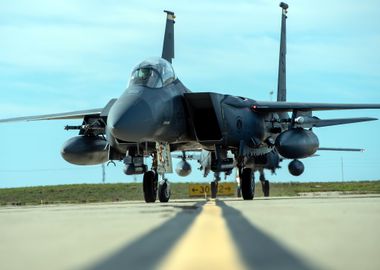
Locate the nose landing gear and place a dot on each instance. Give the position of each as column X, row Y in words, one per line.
column 150, row 181
column 153, row 188
column 164, row 191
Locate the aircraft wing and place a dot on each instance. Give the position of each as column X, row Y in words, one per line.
column 342, row 121
column 310, row 122
column 56, row 116
column 281, row 106
column 340, row 149
column 100, row 112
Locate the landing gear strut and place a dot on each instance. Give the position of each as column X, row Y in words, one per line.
column 238, row 182
column 247, row 184
column 264, row 184
column 214, row 185
column 266, row 187
column 214, row 189
column 238, row 191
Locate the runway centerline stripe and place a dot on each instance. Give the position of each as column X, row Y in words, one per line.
column 206, row 244
column 147, row 251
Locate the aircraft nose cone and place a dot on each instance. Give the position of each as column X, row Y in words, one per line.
column 132, row 122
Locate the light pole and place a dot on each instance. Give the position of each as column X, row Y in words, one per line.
column 103, row 173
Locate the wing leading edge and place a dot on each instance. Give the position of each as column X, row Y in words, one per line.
column 340, row 149
column 56, row 116
column 100, row 112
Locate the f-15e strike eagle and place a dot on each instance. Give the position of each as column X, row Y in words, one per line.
column 157, row 115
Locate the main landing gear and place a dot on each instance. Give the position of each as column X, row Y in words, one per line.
column 247, row 183
column 214, row 185
column 264, row 184
column 152, row 187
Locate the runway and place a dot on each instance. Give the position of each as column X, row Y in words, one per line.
column 340, row 232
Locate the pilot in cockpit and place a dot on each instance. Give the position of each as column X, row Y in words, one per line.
column 153, row 73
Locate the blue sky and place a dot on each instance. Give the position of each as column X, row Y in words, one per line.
column 59, row 56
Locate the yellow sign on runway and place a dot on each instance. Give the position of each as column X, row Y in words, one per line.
column 224, row 189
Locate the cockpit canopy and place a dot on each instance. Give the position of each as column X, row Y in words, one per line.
column 153, row 73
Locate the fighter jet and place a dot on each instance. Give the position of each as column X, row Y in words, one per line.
column 158, row 115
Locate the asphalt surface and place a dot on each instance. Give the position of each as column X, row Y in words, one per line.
column 339, row 232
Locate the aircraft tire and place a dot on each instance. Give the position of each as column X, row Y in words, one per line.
column 214, row 189
column 150, row 186
column 247, row 184
column 266, row 187
column 238, row 192
column 164, row 191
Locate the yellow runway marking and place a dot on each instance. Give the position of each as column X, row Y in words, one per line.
column 206, row 245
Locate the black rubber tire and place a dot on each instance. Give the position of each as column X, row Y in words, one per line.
column 164, row 191
column 266, row 187
column 247, row 184
column 150, row 186
column 214, row 189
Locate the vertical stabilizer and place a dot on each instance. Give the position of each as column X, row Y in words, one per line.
column 168, row 48
column 281, row 83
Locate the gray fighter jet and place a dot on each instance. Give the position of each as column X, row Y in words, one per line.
column 158, row 115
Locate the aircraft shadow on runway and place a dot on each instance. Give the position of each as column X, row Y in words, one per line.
column 256, row 248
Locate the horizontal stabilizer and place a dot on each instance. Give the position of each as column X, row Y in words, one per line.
column 341, row 149
column 269, row 106
column 56, row 116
